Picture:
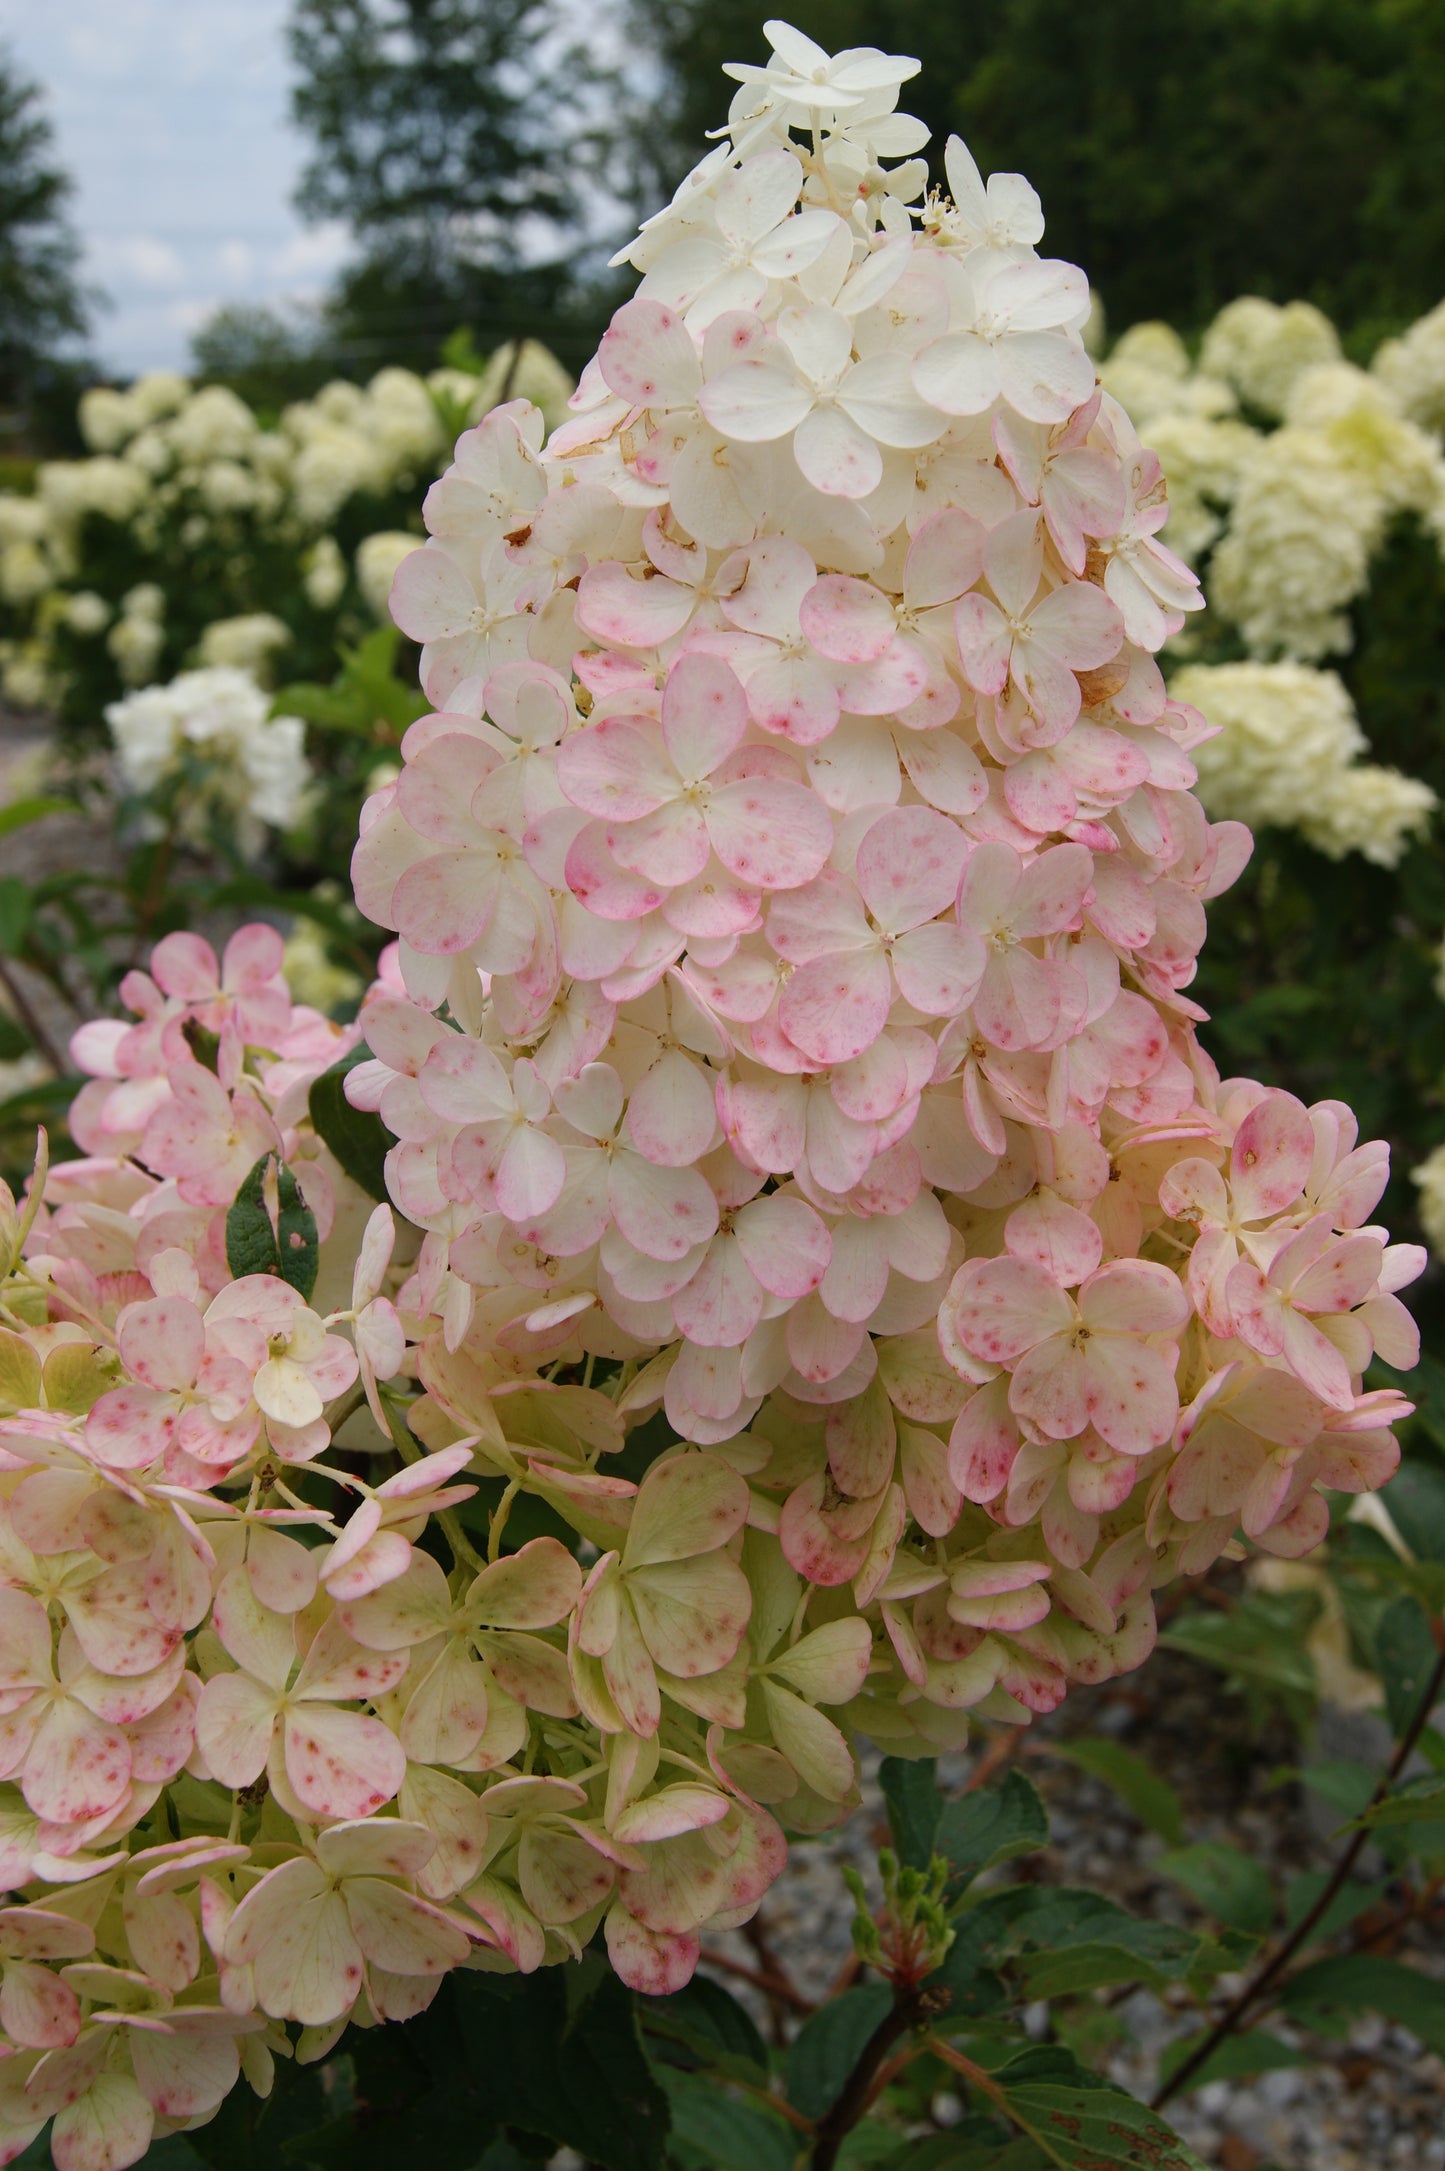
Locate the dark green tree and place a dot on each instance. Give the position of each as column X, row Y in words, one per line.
column 1185, row 154
column 42, row 303
column 444, row 133
column 267, row 358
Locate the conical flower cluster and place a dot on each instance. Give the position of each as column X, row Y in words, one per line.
column 822, row 1218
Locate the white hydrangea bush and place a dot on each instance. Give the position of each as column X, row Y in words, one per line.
column 181, row 477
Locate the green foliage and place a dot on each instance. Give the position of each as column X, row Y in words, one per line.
column 910, row 1789
column 1225, row 1881
column 826, row 2047
column 41, row 300
column 270, row 1229
column 1294, row 142
column 358, row 1138
column 991, row 1825
column 1153, row 1801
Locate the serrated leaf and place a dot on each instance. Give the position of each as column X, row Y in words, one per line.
column 1256, row 2051
column 910, row 1790
column 991, row 1825
column 1418, row 1801
column 727, row 2133
column 1230, row 1884
column 1152, row 1799
column 711, row 2022
column 1405, row 1658
column 1082, row 2122
column 1328, row 1993
column 1074, row 1940
column 254, row 1245
column 1415, row 1499
column 825, row 2049
column 358, row 1137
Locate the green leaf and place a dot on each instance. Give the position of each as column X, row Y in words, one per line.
column 1345, row 1785
column 255, row 1246
column 1083, row 2123
column 1351, row 1900
column 991, row 1825
column 22, row 812
column 910, row 1789
column 717, row 2129
column 1415, row 1498
column 1325, row 1995
column 358, row 1137
column 1261, row 1642
column 1418, row 1801
column 1071, row 1940
column 16, row 905
column 1152, row 1799
column 1405, row 1659
column 825, row 2049
column 712, row 2023
column 1227, row 1882
column 1256, row 2051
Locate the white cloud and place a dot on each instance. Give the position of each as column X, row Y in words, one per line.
column 143, row 258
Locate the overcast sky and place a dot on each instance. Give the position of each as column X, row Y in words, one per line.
column 172, row 117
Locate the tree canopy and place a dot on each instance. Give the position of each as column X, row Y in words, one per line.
column 42, row 303
column 1185, row 154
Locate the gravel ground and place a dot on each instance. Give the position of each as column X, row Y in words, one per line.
column 1375, row 2101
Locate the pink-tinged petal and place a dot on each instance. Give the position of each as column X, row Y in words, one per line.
column 634, row 613
column 983, row 1443
column 723, row 1302
column 596, row 880
column 944, row 559
column 162, row 1343
column 1019, row 998
column 785, row 1244
column 1048, row 686
column 985, row 643
column 1348, row 1273
column 794, row 697
column 293, row 1930
column 1270, row 1160
column 38, row 2010
column 958, row 374
column 1062, row 1239
column 836, row 456
column 847, row 620
column 909, row 866
column 754, row 402
column 652, row 1962
column 1051, row 894
column 646, row 356
column 810, row 1545
column 339, row 1763
column 704, row 715
column 668, row 847
column 1079, row 624
column 1050, row 1388
column 1134, row 1296
column 998, row 1308
column 78, row 1766
column 817, row 921
column 445, row 903
column 770, row 834
column 690, row 1504
column 234, row 1726
column 945, row 772
column 663, row 1212
column 1044, row 375
column 671, row 1116
column 938, row 969
column 616, row 770
column 1132, row 1398
column 431, row 597
column 835, row 1007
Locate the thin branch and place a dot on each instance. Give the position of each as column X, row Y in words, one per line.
column 772, row 1986
column 31, row 1020
column 1269, row 1973
column 912, row 2008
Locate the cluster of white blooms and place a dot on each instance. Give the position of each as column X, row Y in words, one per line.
column 1287, row 754
column 1413, row 368
column 1429, row 1180
column 377, row 559
column 1284, row 524
column 207, row 743
column 246, row 643
column 181, row 469
column 1261, row 349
